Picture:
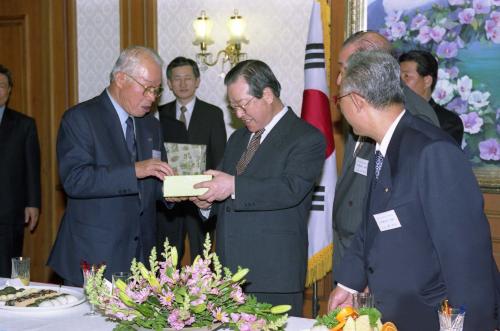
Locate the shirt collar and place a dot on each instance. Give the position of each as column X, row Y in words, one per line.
column 273, row 123
column 189, row 106
column 384, row 144
column 122, row 114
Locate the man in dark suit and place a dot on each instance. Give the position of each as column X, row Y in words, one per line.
column 350, row 190
column 170, row 223
column 262, row 193
column 19, row 176
column 109, row 157
column 424, row 236
column 419, row 70
column 205, row 125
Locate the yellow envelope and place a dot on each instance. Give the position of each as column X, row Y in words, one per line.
column 182, row 186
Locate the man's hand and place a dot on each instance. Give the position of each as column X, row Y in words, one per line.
column 219, row 188
column 202, row 204
column 339, row 298
column 153, row 167
column 31, row 215
column 176, row 199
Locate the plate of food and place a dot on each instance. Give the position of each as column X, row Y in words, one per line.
column 37, row 298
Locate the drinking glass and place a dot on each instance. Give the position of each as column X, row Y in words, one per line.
column 86, row 275
column 123, row 275
column 362, row 300
column 20, row 270
column 452, row 320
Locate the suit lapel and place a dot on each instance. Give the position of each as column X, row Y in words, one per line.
column 274, row 140
column 114, row 128
column 7, row 124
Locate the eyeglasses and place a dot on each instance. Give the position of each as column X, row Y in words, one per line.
column 243, row 108
column 156, row 91
column 338, row 98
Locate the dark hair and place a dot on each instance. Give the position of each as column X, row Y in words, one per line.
column 257, row 74
column 427, row 64
column 181, row 61
column 5, row 71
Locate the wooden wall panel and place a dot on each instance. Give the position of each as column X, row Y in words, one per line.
column 39, row 55
column 138, row 23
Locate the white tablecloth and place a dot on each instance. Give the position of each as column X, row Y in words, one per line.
column 73, row 319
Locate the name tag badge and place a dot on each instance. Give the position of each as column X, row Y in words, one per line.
column 361, row 166
column 387, row 220
column 156, row 154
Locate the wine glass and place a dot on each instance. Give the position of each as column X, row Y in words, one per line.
column 86, row 275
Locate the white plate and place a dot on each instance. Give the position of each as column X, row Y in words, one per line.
column 77, row 294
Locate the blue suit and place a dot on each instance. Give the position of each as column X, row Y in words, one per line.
column 110, row 215
column 442, row 249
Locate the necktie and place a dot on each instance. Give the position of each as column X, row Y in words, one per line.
column 249, row 153
column 182, row 118
column 130, row 139
column 379, row 159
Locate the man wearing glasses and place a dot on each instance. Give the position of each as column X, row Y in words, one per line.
column 109, row 158
column 262, row 193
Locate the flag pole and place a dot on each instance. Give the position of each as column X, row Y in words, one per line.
column 315, row 302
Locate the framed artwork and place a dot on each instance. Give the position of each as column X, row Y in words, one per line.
column 464, row 35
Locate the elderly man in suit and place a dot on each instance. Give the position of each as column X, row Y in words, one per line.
column 350, row 190
column 424, row 236
column 263, row 190
column 19, row 176
column 109, row 157
column 205, row 125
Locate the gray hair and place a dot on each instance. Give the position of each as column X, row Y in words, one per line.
column 130, row 58
column 374, row 76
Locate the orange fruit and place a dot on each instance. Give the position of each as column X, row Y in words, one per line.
column 338, row 327
column 389, row 326
column 346, row 312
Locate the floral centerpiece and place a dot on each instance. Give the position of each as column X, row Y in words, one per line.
column 199, row 295
column 445, row 30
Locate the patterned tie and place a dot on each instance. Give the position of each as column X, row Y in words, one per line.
column 379, row 159
column 130, row 139
column 249, row 153
column 182, row 118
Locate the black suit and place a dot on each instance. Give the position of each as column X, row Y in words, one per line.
column 206, row 127
column 449, row 121
column 110, row 214
column 169, row 220
column 265, row 227
column 19, row 182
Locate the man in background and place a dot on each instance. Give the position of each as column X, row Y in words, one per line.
column 19, row 176
column 205, row 126
column 351, row 186
column 262, row 193
column 109, row 158
column 424, row 236
column 419, row 70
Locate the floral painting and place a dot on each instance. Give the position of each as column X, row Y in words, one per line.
column 464, row 35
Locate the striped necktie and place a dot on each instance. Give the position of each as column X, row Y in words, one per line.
column 379, row 160
column 182, row 117
column 130, row 139
column 249, row 153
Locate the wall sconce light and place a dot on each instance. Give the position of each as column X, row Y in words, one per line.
column 232, row 53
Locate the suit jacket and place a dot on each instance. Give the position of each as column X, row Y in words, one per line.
column 351, row 188
column 449, row 122
column 206, row 127
column 110, row 215
column 19, row 166
column 442, row 249
column 265, row 227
